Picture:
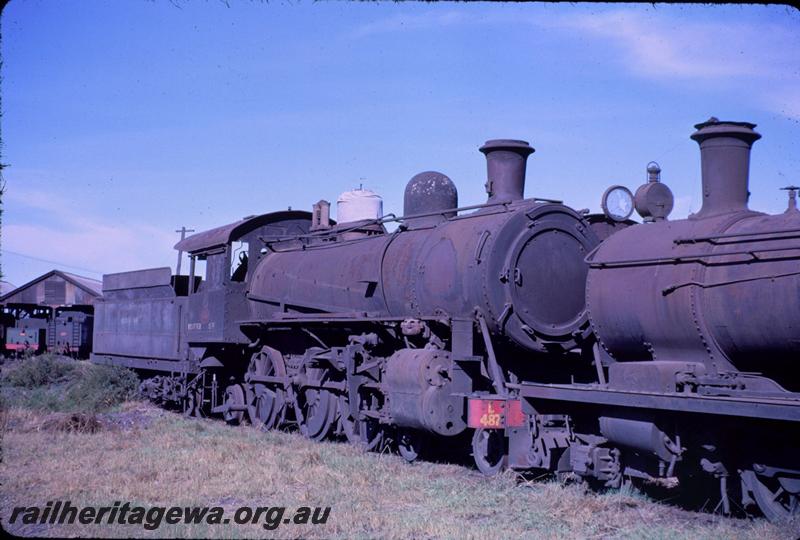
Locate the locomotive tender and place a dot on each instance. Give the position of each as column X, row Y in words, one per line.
column 585, row 345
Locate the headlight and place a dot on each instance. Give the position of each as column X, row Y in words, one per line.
column 617, row 203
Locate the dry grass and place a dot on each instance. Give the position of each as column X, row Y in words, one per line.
column 164, row 459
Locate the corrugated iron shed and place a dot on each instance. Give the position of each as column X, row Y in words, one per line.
column 56, row 288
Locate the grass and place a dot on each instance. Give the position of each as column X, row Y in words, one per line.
column 161, row 458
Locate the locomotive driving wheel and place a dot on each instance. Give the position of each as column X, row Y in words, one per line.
column 319, row 413
column 489, row 450
column 778, row 497
column 317, row 406
column 266, row 402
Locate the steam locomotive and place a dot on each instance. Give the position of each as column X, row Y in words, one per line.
column 588, row 345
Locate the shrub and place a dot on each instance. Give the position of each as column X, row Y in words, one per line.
column 40, row 371
column 59, row 384
column 101, row 388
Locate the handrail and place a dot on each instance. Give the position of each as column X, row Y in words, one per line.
column 390, row 218
column 734, row 235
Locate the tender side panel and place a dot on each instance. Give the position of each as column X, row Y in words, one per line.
column 140, row 316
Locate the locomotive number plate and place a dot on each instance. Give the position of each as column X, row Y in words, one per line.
column 495, row 413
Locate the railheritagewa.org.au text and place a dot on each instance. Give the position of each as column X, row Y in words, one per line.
column 151, row 518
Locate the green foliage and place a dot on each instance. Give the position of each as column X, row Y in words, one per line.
column 37, row 371
column 101, row 388
column 50, row 383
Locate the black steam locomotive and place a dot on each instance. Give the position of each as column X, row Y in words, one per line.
column 587, row 345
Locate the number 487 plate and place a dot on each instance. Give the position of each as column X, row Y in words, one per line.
column 495, row 413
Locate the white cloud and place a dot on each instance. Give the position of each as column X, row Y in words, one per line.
column 78, row 239
column 757, row 58
column 661, row 47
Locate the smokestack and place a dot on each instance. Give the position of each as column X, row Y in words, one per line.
column 505, row 166
column 725, row 162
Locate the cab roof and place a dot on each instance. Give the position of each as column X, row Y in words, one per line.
column 221, row 236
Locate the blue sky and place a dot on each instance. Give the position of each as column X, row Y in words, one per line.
column 124, row 120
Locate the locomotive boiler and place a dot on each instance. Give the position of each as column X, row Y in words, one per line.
column 587, row 345
column 517, row 262
column 718, row 291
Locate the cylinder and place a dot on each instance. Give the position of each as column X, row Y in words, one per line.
column 506, row 160
column 421, row 393
column 725, row 162
column 640, row 435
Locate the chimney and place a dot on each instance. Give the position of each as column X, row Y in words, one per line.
column 505, row 166
column 725, row 162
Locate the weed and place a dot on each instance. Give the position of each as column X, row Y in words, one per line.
column 101, row 388
column 57, row 384
column 37, row 371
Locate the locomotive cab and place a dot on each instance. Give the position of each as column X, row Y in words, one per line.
column 224, row 258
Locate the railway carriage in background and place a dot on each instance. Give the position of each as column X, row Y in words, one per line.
column 586, row 345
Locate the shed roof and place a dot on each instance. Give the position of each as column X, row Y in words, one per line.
column 6, row 287
column 223, row 235
column 91, row 286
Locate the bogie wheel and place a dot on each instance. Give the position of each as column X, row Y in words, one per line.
column 777, row 497
column 489, row 450
column 234, row 397
column 364, row 433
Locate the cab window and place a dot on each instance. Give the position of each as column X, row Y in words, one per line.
column 239, row 260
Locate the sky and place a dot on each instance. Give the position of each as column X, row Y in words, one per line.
column 123, row 121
